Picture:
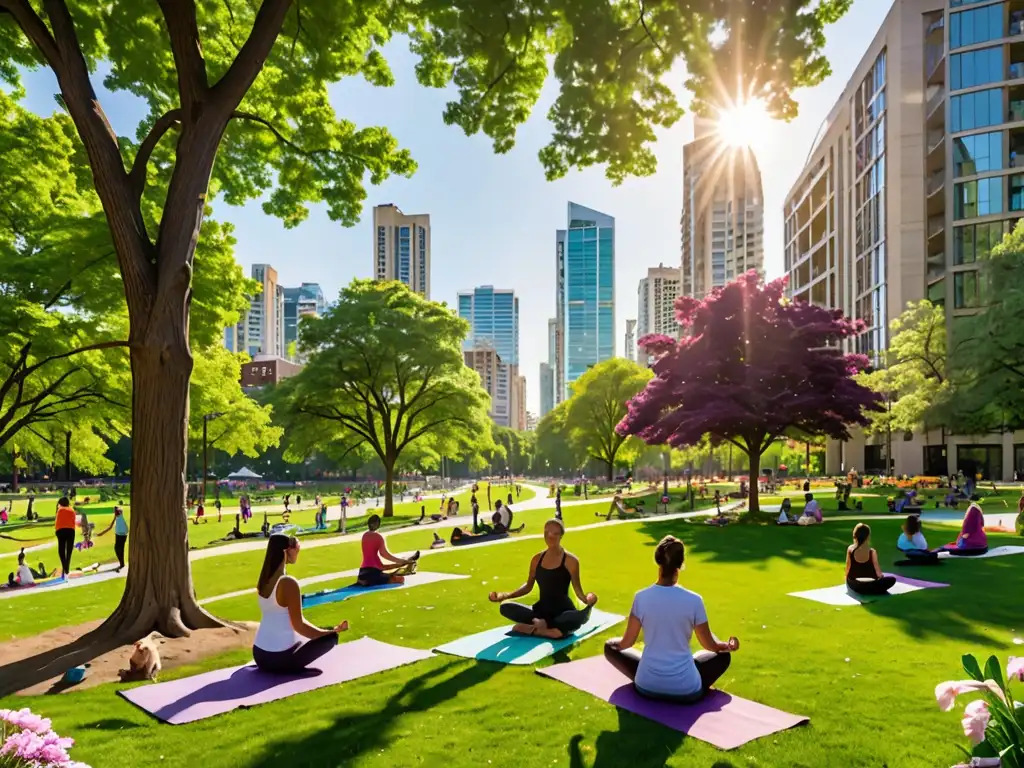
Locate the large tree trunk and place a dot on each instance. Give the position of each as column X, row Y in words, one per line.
column 389, row 489
column 754, row 459
column 159, row 594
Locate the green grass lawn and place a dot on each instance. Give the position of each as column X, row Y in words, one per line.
column 864, row 675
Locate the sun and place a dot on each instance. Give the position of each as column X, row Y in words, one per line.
column 744, row 124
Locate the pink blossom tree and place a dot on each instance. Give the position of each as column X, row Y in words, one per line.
column 751, row 367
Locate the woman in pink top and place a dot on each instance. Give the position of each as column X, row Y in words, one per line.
column 972, row 539
column 372, row 571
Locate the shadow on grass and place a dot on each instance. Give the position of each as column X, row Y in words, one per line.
column 638, row 742
column 353, row 735
column 111, row 724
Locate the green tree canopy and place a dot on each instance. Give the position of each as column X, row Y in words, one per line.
column 385, row 371
column 914, row 377
column 555, row 453
column 598, row 403
column 987, row 354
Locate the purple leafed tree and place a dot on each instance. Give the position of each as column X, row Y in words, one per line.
column 750, row 368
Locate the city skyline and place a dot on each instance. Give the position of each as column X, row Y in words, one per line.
column 464, row 186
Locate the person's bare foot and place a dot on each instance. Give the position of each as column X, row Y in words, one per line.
column 524, row 629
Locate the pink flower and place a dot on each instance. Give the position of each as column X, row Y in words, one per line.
column 26, row 720
column 1015, row 667
column 975, row 721
column 946, row 693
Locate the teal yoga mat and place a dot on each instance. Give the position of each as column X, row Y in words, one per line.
column 502, row 645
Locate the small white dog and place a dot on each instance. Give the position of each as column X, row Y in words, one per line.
column 144, row 663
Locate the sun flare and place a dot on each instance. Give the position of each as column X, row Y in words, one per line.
column 744, row 124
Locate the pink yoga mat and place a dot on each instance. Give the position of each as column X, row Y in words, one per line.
column 720, row 719
column 214, row 693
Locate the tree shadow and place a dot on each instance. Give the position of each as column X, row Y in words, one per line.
column 110, row 724
column 638, row 742
column 25, row 673
column 353, row 735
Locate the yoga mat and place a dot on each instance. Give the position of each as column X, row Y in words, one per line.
column 75, row 580
column 721, row 719
column 468, row 540
column 841, row 595
column 503, row 645
column 223, row 690
column 1003, row 551
column 344, row 593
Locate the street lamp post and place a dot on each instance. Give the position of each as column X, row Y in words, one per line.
column 207, row 418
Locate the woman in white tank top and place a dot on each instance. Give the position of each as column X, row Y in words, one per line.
column 285, row 642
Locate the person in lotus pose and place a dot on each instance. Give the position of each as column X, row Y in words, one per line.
column 972, row 539
column 669, row 615
column 285, row 642
column 554, row 570
column 373, row 572
column 863, row 574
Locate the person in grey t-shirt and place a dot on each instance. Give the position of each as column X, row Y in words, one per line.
column 669, row 616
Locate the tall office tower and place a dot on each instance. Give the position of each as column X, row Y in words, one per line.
column 585, row 315
column 265, row 323
column 547, row 389
column 630, row 351
column 554, row 360
column 401, row 247
column 306, row 300
column 236, row 336
column 656, row 297
column 518, row 402
column 909, row 181
column 722, row 221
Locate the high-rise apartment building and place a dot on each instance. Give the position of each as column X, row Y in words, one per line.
column 518, row 401
column 656, row 297
column 306, row 300
column 501, row 383
column 722, row 221
column 585, row 295
column 265, row 321
column 630, row 351
column 401, row 247
column 911, row 179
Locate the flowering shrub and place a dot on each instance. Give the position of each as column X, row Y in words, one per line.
column 28, row 741
column 994, row 724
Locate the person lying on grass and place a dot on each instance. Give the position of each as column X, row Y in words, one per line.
column 372, row 571
column 863, row 573
column 285, row 642
column 25, row 575
column 669, row 615
column 554, row 615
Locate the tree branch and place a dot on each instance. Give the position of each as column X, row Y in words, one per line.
column 643, row 23
column 137, row 175
column 232, row 87
column 34, row 29
column 73, row 352
column 183, row 31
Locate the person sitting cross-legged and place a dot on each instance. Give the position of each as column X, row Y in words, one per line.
column 669, row 615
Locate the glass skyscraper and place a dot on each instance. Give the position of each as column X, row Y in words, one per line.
column 493, row 315
column 585, row 254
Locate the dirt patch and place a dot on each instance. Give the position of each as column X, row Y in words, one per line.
column 174, row 652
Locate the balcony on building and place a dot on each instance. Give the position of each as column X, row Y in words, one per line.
column 935, row 110
column 1015, row 69
column 935, row 187
column 1015, row 18
column 936, row 227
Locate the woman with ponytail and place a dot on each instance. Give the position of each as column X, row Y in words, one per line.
column 863, row 574
column 669, row 616
column 285, row 642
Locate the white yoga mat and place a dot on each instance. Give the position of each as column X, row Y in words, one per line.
column 1008, row 549
column 841, row 595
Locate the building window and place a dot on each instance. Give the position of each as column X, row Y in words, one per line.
column 977, row 26
column 937, row 292
column 965, row 290
column 977, row 68
column 977, row 198
column 976, row 241
column 977, row 110
column 978, row 154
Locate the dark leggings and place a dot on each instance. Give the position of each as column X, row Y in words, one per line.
column 296, row 658
column 921, row 555
column 710, row 666
column 65, row 547
column 963, row 552
column 119, row 542
column 873, row 587
column 565, row 622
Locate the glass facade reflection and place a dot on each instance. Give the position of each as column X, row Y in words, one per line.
column 977, row 26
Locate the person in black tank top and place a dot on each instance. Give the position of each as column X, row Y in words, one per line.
column 554, row 570
column 863, row 574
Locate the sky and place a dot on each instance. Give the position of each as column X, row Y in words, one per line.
column 493, row 217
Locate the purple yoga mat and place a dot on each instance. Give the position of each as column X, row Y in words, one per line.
column 917, row 582
column 214, row 693
column 721, row 719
